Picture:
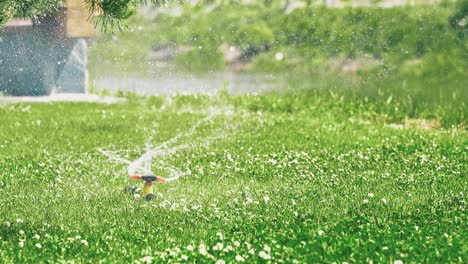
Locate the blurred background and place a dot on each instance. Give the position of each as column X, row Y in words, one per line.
column 412, row 52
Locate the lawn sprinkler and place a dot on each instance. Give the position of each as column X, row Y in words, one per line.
column 147, row 190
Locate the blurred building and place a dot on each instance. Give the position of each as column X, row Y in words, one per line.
column 50, row 54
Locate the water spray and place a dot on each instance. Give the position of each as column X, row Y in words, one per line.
column 140, row 169
column 143, row 163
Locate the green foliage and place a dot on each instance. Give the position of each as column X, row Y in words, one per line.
column 111, row 12
column 4, row 13
column 411, row 53
column 120, row 9
column 256, row 36
column 459, row 20
column 200, row 60
column 393, row 36
column 27, row 8
column 34, row 8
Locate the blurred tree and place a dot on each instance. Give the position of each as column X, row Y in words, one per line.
column 27, row 8
column 110, row 13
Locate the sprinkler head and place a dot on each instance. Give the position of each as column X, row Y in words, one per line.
column 149, row 197
column 148, row 178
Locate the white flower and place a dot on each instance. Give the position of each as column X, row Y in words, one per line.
column 239, row 258
column 416, row 227
column 397, row 262
column 21, row 232
column 136, row 196
column 21, row 243
column 218, row 246
column 365, row 201
column 190, row 248
column 266, row 198
column 267, row 248
column 36, row 236
column 320, row 232
column 7, row 224
column 264, row 255
column 228, row 248
column 251, row 251
column 220, row 261
column 220, row 235
column 184, row 257
column 84, row 242
column 279, row 56
column 384, row 201
column 370, row 195
column 38, row 245
column 202, row 249
column 237, row 243
column 147, row 259
column 19, row 220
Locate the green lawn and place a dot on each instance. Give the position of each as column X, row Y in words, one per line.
column 267, row 179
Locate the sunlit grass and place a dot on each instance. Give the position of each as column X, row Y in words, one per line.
column 309, row 180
